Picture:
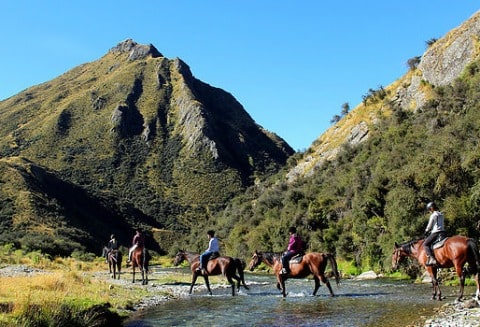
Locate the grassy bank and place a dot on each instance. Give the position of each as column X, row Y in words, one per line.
column 36, row 290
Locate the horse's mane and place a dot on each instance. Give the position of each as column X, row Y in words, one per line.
column 271, row 256
column 407, row 246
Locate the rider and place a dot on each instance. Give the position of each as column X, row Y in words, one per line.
column 295, row 246
column 435, row 227
column 112, row 245
column 138, row 240
column 213, row 248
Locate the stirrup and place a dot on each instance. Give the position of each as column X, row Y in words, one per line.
column 283, row 271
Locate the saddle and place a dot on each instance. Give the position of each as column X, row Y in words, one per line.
column 439, row 241
column 297, row 258
column 214, row 255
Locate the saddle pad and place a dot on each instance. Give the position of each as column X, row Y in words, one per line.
column 439, row 244
column 296, row 259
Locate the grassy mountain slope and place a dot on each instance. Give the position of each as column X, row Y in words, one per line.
column 136, row 134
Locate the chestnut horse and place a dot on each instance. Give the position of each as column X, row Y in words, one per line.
column 313, row 263
column 456, row 252
column 114, row 258
column 223, row 265
column 140, row 259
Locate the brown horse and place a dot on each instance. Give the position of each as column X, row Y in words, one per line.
column 456, row 252
column 313, row 263
column 223, row 265
column 140, row 259
column 114, row 258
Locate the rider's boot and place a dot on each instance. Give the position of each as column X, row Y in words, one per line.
column 431, row 261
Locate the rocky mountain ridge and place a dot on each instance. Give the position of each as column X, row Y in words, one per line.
column 441, row 64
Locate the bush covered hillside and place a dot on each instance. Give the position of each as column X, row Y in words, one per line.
column 374, row 193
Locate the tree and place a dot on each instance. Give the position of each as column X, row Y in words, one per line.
column 345, row 108
column 413, row 62
column 335, row 119
column 430, row 42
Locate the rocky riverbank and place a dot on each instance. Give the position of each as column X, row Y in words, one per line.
column 459, row 314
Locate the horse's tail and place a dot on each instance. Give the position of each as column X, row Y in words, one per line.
column 145, row 259
column 333, row 262
column 240, row 265
column 472, row 246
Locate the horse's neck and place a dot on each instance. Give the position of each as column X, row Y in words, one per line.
column 416, row 248
column 191, row 257
column 269, row 259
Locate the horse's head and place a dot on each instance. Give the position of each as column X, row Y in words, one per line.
column 256, row 260
column 179, row 257
column 399, row 252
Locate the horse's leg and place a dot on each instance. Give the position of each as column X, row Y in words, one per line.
column 461, row 275
column 477, row 293
column 232, row 283
column 435, row 285
column 238, row 279
column 133, row 273
column 194, row 279
column 325, row 280
column 317, row 285
column 207, row 283
column 281, row 281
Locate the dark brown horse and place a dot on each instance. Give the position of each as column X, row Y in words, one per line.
column 114, row 259
column 456, row 252
column 140, row 259
column 313, row 263
column 223, row 265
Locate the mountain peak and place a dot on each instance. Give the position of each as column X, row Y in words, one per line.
column 136, row 50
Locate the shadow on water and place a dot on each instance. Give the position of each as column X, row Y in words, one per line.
column 357, row 303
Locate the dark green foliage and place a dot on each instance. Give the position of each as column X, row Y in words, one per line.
column 375, row 193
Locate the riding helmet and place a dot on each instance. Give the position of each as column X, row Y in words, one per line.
column 431, row 205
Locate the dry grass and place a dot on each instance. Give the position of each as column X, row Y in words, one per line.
column 59, row 287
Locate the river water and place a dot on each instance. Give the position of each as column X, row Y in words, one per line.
column 378, row 303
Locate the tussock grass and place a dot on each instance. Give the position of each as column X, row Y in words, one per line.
column 40, row 291
column 44, row 291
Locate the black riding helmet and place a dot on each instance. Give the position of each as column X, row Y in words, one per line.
column 431, row 205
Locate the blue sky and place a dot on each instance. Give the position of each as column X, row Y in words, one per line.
column 291, row 64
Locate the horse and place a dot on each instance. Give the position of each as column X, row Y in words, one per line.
column 114, row 258
column 456, row 252
column 140, row 260
column 313, row 263
column 223, row 265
